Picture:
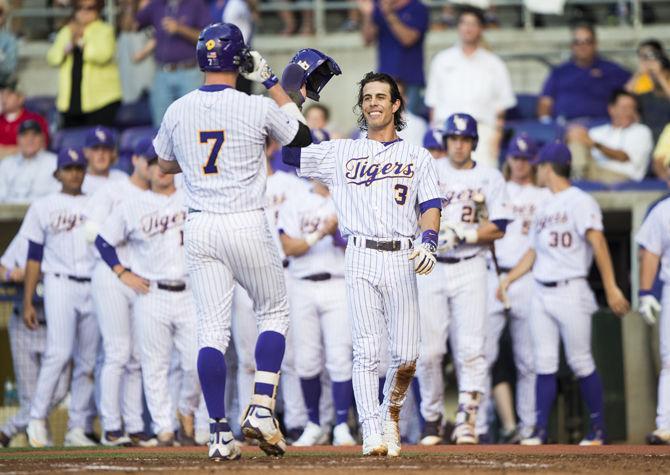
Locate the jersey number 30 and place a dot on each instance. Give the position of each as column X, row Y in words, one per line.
column 219, row 137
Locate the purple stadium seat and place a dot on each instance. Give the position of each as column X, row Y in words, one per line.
column 136, row 114
column 542, row 133
column 648, row 184
column 69, row 138
column 131, row 136
column 525, row 108
column 587, row 185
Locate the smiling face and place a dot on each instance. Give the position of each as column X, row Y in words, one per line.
column 378, row 109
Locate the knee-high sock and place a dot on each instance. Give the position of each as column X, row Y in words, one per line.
column 270, row 347
column 311, row 393
column 592, row 391
column 545, row 391
column 343, row 399
column 212, row 373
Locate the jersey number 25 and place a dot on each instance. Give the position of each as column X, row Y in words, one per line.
column 218, row 137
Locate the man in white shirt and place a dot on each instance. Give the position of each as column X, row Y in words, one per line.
column 614, row 152
column 469, row 79
column 28, row 174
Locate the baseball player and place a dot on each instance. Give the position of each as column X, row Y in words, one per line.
column 120, row 375
column 153, row 226
column 381, row 187
column 27, row 345
column 317, row 294
column 566, row 234
column 100, row 151
column 524, row 200
column 216, row 136
column 54, row 227
column 433, row 141
column 454, row 296
column 654, row 252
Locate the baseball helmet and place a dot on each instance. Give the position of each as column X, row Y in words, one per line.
column 221, row 48
column 462, row 125
column 318, row 67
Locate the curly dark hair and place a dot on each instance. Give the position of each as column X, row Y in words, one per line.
column 398, row 119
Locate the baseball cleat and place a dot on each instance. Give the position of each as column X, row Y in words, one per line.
column 38, row 435
column 260, row 424
column 464, row 434
column 312, row 435
column 115, row 438
column 659, row 437
column 4, row 440
column 77, row 438
column 431, row 433
column 374, row 445
column 201, row 437
column 142, row 439
column 594, row 438
column 342, row 435
column 538, row 437
column 222, row 444
column 186, row 435
column 165, row 439
column 392, row 438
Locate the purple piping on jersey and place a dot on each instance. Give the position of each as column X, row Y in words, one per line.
column 107, row 252
column 426, row 205
column 386, row 144
column 501, row 224
column 291, row 156
column 213, row 87
column 35, row 251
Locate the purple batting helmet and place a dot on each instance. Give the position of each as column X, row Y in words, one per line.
column 221, row 48
column 462, row 125
column 318, row 67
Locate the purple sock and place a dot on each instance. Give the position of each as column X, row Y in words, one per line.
column 382, row 382
column 592, row 391
column 270, row 348
column 343, row 400
column 416, row 390
column 311, row 392
column 212, row 373
column 545, row 393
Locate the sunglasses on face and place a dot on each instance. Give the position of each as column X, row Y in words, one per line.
column 581, row 42
column 88, row 8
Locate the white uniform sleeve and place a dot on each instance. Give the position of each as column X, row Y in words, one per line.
column 115, row 229
column 99, row 205
column 428, row 184
column 639, row 150
column 16, row 253
column 318, row 161
column 497, row 200
column 650, row 235
column 163, row 142
column 279, row 125
column 588, row 216
column 32, row 228
column 288, row 220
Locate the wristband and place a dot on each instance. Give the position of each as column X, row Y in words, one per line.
column 312, row 238
column 122, row 272
column 643, row 293
column 271, row 81
column 429, row 236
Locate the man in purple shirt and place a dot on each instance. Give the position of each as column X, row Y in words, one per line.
column 177, row 24
column 581, row 87
column 399, row 27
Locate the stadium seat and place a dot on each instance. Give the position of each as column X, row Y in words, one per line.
column 648, row 184
column 542, row 133
column 46, row 107
column 124, row 163
column 69, row 138
column 525, row 108
column 135, row 114
column 587, row 185
column 131, row 136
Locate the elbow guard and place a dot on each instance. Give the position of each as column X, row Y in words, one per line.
column 302, row 138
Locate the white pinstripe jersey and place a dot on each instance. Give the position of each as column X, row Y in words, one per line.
column 57, row 222
column 376, row 187
column 524, row 201
column 654, row 236
column 218, row 138
column 92, row 183
column 303, row 214
column 558, row 235
column 280, row 186
column 458, row 187
column 16, row 253
column 153, row 226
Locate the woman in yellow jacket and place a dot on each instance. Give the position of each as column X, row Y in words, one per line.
column 89, row 86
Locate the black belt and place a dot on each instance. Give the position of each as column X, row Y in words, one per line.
column 284, row 263
column 454, row 260
column 502, row 270
column 383, row 245
column 318, row 277
column 191, row 210
column 554, row 284
column 74, row 278
column 171, row 286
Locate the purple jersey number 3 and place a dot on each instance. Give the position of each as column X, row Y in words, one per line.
column 218, row 136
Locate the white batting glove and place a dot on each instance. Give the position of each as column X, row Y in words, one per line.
column 649, row 308
column 424, row 259
column 447, row 238
column 464, row 235
column 262, row 71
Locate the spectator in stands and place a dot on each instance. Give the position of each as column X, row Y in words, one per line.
column 100, row 151
column 288, row 19
column 662, row 155
column 468, row 78
column 317, row 116
column 8, row 48
column 581, row 87
column 613, row 152
column 241, row 14
column 415, row 126
column 89, row 88
column 134, row 55
column 28, row 174
column 651, row 83
column 177, row 25
column 399, row 27
column 13, row 115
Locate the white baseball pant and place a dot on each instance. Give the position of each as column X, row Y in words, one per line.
column 663, row 410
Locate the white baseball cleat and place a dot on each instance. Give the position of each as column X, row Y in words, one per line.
column 373, row 445
column 77, row 438
column 115, row 438
column 342, row 435
column 392, row 438
column 659, row 437
column 222, row 444
column 464, row 434
column 260, row 424
column 312, row 435
column 38, row 435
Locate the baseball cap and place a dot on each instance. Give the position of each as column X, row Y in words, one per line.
column 145, row 149
column 100, row 137
column 553, row 152
column 29, row 125
column 432, row 139
column 71, row 156
column 522, row 146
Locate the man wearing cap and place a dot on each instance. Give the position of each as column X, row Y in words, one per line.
column 432, row 141
column 28, row 174
column 100, row 151
column 13, row 115
column 57, row 247
column 565, row 236
column 120, row 376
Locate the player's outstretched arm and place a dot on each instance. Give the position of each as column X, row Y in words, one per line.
column 522, row 267
column 31, row 278
column 109, row 255
column 615, row 298
column 170, row 167
column 649, row 307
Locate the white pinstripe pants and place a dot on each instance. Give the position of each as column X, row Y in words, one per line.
column 381, row 290
column 663, row 410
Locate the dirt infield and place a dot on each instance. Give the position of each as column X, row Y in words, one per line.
column 550, row 459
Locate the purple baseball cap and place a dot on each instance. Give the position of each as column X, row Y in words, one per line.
column 522, row 146
column 554, row 152
column 432, row 139
column 145, row 148
column 100, row 137
column 71, row 157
